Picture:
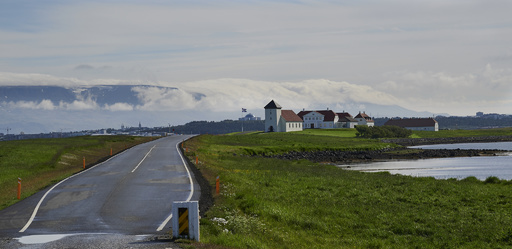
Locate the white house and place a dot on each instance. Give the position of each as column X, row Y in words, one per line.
column 347, row 122
column 277, row 120
column 416, row 124
column 323, row 119
column 363, row 119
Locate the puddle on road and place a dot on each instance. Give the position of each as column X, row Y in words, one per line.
column 47, row 238
column 40, row 239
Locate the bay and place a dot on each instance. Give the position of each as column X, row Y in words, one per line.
column 444, row 168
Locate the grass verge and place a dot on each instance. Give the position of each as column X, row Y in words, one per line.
column 41, row 162
column 272, row 203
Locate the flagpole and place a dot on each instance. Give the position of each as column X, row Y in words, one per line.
column 243, row 118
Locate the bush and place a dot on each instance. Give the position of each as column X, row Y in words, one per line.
column 382, row 131
column 492, row 180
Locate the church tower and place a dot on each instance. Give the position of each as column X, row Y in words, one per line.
column 272, row 116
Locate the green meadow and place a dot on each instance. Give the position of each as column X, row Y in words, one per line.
column 274, row 203
column 278, row 143
column 41, row 162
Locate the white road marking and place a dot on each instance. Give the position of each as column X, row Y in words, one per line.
column 47, row 192
column 161, row 227
column 143, row 158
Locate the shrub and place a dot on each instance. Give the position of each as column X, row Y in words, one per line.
column 492, row 179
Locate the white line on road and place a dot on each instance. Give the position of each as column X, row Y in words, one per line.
column 161, row 227
column 143, row 158
column 47, row 192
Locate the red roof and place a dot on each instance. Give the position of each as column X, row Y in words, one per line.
column 344, row 114
column 347, row 119
column 362, row 115
column 302, row 113
column 328, row 114
column 290, row 116
column 412, row 122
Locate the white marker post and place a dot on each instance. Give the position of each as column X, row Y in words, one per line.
column 185, row 220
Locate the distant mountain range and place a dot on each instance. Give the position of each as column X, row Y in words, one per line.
column 102, row 95
column 37, row 109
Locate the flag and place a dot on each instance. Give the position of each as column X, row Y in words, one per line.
column 244, row 110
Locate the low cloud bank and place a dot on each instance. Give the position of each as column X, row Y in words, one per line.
column 488, row 90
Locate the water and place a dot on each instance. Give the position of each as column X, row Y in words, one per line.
column 467, row 146
column 444, row 168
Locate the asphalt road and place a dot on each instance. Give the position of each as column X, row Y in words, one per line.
column 129, row 196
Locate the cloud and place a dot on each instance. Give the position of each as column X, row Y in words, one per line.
column 119, row 107
column 275, row 41
column 84, row 67
column 231, row 94
column 45, row 104
column 443, row 92
column 485, row 90
column 79, row 105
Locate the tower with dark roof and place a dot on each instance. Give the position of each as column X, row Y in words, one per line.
column 272, row 116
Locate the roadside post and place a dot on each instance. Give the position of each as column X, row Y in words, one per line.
column 185, row 220
column 197, row 159
column 19, row 188
column 84, row 162
column 110, row 151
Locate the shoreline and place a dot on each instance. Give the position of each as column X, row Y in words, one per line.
column 354, row 157
column 447, row 140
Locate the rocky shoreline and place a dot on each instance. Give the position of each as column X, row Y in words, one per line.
column 447, row 140
column 381, row 155
column 348, row 157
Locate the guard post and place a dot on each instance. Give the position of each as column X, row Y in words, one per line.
column 185, row 220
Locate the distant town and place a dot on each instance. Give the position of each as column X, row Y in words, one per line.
column 251, row 123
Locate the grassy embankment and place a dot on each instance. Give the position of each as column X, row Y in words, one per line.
column 41, row 162
column 272, row 203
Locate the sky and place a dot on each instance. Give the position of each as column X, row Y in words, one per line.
column 449, row 57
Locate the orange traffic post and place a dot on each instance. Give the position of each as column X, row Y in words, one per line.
column 197, row 159
column 19, row 188
column 217, row 185
column 110, row 151
column 84, row 162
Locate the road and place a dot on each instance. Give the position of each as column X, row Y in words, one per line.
column 129, row 195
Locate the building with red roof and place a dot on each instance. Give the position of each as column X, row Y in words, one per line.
column 363, row 119
column 416, row 124
column 278, row 120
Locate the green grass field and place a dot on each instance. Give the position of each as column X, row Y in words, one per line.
column 41, row 162
column 272, row 203
column 276, row 143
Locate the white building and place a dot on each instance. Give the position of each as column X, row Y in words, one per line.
column 249, row 117
column 277, row 120
column 324, row 119
column 347, row 122
column 363, row 119
column 415, row 124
